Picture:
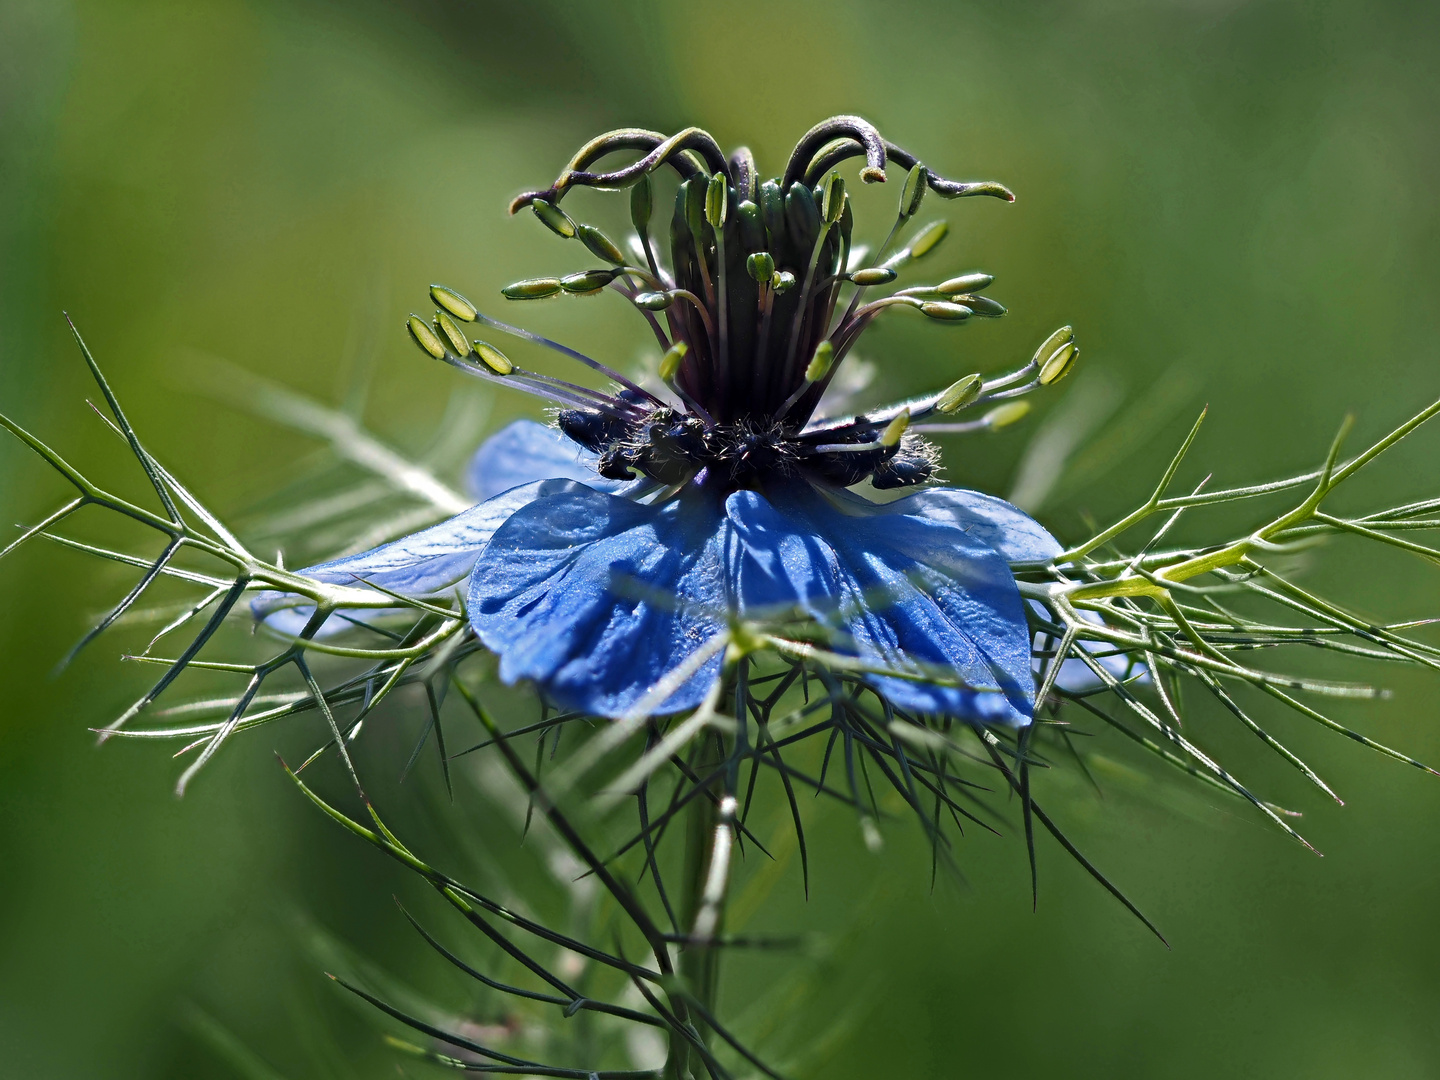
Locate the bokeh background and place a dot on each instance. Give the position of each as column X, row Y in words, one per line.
column 1234, row 202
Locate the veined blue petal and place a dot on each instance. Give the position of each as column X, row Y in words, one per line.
column 597, row 598
column 523, row 452
column 426, row 563
column 903, row 591
column 1006, row 528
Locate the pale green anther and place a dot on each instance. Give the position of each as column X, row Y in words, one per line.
column 820, row 363
column 783, row 281
column 1061, row 361
column 939, row 309
column 600, row 245
column 641, row 205
column 717, row 201
column 654, row 301
column 926, row 239
column 425, row 337
column 960, row 393
column 895, row 429
column 555, row 219
column 761, row 267
column 453, row 302
column 587, row 281
column 458, row 341
column 494, row 359
column 966, row 283
column 1052, row 344
column 874, row 275
column 670, row 362
column 913, row 191
column 531, row 289
column 834, row 199
column 1004, row 415
column 981, row 305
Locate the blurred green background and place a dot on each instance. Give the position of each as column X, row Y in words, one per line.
column 1234, row 202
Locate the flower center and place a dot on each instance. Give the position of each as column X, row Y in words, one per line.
column 761, row 298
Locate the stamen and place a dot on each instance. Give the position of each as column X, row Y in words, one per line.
column 453, row 302
column 998, row 417
column 600, row 245
column 594, row 365
column 669, row 368
column 717, row 204
column 458, row 341
column 925, row 241
column 1057, row 355
column 531, row 289
column 959, row 394
column 800, row 198
column 816, row 370
column 642, row 205
column 494, row 359
column 895, row 429
column 699, row 305
column 542, row 386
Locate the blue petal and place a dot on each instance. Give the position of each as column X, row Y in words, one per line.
column 426, row 563
column 523, row 452
column 1006, row 528
column 597, row 597
column 903, row 591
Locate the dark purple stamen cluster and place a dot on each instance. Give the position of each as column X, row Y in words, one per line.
column 758, row 306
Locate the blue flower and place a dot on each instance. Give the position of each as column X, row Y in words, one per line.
column 613, row 552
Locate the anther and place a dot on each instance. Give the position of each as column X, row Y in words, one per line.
column 1055, row 355
column 494, row 359
column 453, row 302
column 600, row 245
column 965, row 283
column 641, row 206
column 554, row 219
column 458, row 341
column 588, row 282
column 654, row 301
column 872, row 275
column 895, row 429
column 425, row 337
column 960, row 393
column 670, row 362
column 1005, row 415
column 820, row 363
column 913, row 191
column 927, row 238
column 945, row 312
column 532, row 289
column 982, row 305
